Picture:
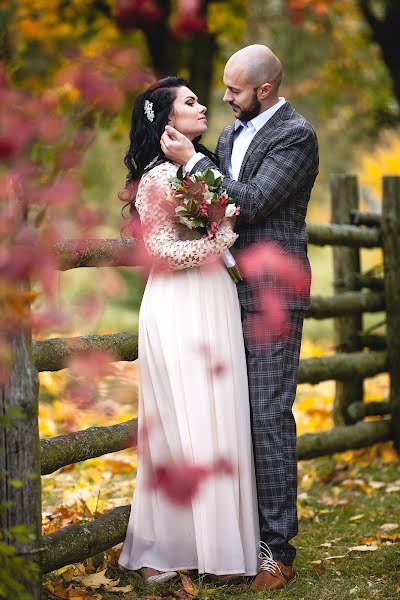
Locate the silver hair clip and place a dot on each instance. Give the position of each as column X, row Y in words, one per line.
column 148, row 110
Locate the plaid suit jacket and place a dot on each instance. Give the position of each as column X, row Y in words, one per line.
column 273, row 189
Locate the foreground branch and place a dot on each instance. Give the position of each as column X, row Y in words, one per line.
column 344, row 235
column 62, row 450
column 358, row 410
column 342, row 367
column 53, row 354
column 75, row 543
column 340, row 439
column 57, row 452
column 325, row 307
column 120, row 252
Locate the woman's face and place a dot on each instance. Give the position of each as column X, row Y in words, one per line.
column 188, row 116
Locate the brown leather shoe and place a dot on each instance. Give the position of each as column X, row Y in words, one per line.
column 275, row 578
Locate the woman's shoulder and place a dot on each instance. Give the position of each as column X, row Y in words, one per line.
column 161, row 170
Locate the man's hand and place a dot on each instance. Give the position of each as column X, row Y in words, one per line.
column 176, row 146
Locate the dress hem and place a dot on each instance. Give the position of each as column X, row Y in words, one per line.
column 187, row 568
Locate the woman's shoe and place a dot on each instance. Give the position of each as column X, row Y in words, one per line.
column 158, row 577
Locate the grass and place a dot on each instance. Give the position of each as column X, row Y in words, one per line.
column 341, row 505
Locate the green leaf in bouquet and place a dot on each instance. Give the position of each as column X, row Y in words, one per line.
column 192, row 206
column 218, row 181
column 209, row 178
column 179, row 172
column 198, row 223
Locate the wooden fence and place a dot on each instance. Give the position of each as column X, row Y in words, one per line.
column 359, row 355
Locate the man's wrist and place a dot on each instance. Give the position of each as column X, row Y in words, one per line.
column 193, row 160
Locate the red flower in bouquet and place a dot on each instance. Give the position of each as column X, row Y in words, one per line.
column 200, row 203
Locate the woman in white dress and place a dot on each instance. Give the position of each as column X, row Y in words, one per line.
column 188, row 409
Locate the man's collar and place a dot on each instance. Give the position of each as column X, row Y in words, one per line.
column 262, row 118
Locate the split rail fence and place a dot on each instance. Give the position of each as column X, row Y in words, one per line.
column 359, row 355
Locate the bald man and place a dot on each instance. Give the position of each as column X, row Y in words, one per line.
column 269, row 159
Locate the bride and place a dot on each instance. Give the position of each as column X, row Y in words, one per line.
column 188, row 410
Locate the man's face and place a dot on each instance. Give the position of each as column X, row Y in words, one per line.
column 240, row 94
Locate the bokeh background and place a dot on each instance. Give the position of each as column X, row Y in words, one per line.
column 89, row 59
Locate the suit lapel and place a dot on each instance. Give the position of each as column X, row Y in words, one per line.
column 228, row 152
column 283, row 113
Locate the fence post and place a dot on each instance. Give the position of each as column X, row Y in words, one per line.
column 20, row 518
column 346, row 264
column 20, row 481
column 391, row 261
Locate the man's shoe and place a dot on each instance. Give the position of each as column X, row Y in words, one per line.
column 273, row 574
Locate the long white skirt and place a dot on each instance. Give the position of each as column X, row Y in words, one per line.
column 193, row 405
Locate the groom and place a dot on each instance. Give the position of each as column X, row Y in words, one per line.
column 269, row 157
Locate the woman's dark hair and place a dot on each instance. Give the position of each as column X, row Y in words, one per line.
column 145, row 135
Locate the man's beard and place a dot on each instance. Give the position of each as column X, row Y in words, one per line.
column 252, row 110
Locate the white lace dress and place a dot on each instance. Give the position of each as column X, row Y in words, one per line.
column 193, row 403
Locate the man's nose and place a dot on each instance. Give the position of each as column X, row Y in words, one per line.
column 227, row 96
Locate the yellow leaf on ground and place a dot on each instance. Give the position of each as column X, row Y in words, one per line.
column 188, row 585
column 97, row 580
column 363, row 548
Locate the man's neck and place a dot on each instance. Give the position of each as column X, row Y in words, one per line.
column 270, row 103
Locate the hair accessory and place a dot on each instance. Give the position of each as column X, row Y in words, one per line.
column 148, row 110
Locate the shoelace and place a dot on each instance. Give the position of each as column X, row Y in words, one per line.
column 267, row 560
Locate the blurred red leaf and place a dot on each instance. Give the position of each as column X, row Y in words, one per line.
column 180, row 481
column 267, row 258
column 141, row 14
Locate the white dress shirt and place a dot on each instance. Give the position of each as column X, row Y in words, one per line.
column 244, row 133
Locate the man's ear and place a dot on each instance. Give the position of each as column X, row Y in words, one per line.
column 264, row 91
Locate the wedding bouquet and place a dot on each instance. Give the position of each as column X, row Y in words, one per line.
column 200, row 204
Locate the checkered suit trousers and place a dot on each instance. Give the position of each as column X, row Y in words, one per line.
column 272, row 375
column 273, row 189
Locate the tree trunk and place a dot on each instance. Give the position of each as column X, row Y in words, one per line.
column 20, row 492
column 385, row 31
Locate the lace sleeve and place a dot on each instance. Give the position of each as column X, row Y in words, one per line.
column 160, row 233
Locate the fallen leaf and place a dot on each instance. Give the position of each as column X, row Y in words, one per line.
column 329, row 558
column 188, row 585
column 97, row 580
column 319, row 566
column 389, row 526
column 356, row 517
column 122, row 590
column 363, row 548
